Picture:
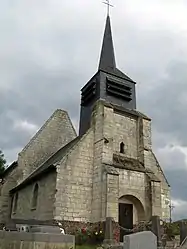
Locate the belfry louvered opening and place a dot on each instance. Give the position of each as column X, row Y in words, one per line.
column 88, row 93
column 118, row 89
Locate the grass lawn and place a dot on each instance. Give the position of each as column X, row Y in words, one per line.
column 86, row 246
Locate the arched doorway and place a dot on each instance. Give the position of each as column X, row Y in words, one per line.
column 131, row 212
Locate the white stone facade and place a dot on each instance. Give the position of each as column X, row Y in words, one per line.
column 88, row 190
column 92, row 177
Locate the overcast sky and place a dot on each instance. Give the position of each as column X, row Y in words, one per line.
column 50, row 48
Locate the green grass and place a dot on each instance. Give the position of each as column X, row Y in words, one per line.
column 86, row 247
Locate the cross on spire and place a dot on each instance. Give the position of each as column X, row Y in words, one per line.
column 108, row 6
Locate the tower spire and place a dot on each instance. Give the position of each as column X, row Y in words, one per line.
column 109, row 84
column 107, row 59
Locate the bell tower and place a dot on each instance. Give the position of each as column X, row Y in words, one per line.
column 108, row 84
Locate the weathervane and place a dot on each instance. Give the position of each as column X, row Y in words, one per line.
column 108, row 6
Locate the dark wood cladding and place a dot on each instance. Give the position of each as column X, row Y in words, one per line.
column 88, row 93
column 118, row 89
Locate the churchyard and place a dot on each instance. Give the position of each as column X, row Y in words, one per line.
column 151, row 235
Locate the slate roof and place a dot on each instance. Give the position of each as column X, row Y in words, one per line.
column 107, row 59
column 9, row 169
column 48, row 165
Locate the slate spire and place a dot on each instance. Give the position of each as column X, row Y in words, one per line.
column 109, row 84
column 107, row 59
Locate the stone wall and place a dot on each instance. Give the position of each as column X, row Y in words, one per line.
column 156, row 199
column 112, row 196
column 100, row 154
column 18, row 240
column 111, row 128
column 146, row 129
column 117, row 128
column 9, row 182
column 46, row 199
column 132, row 190
column 54, row 134
column 125, row 130
column 74, row 182
column 152, row 163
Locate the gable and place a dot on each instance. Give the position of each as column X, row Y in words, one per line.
column 54, row 134
column 47, row 166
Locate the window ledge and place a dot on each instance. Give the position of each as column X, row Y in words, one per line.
column 33, row 208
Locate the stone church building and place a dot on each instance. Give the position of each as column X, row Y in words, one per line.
column 108, row 170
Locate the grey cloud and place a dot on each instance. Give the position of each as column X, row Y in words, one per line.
column 179, row 211
column 179, row 184
column 166, row 103
column 172, row 158
column 38, row 96
column 175, row 168
column 44, row 67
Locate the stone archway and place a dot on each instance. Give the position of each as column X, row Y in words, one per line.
column 131, row 212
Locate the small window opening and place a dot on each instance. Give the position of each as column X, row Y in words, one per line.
column 122, row 147
column 15, row 202
column 35, row 196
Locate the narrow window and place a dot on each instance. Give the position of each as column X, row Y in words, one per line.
column 15, row 202
column 122, row 148
column 35, row 196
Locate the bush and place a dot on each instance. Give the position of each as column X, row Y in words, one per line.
column 97, row 236
column 88, row 236
column 171, row 230
column 82, row 236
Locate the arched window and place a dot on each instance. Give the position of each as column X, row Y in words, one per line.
column 122, row 147
column 15, row 202
column 35, row 196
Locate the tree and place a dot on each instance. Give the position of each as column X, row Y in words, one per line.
column 171, row 230
column 2, row 162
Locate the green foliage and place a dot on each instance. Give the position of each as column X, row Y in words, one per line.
column 87, row 236
column 97, row 236
column 2, row 162
column 85, row 246
column 171, row 230
column 82, row 236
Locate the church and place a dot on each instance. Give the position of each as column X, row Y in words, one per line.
column 108, row 170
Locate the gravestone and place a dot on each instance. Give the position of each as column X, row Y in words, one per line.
column 183, row 231
column 109, row 239
column 45, row 229
column 156, row 229
column 10, row 226
column 184, row 245
column 141, row 240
